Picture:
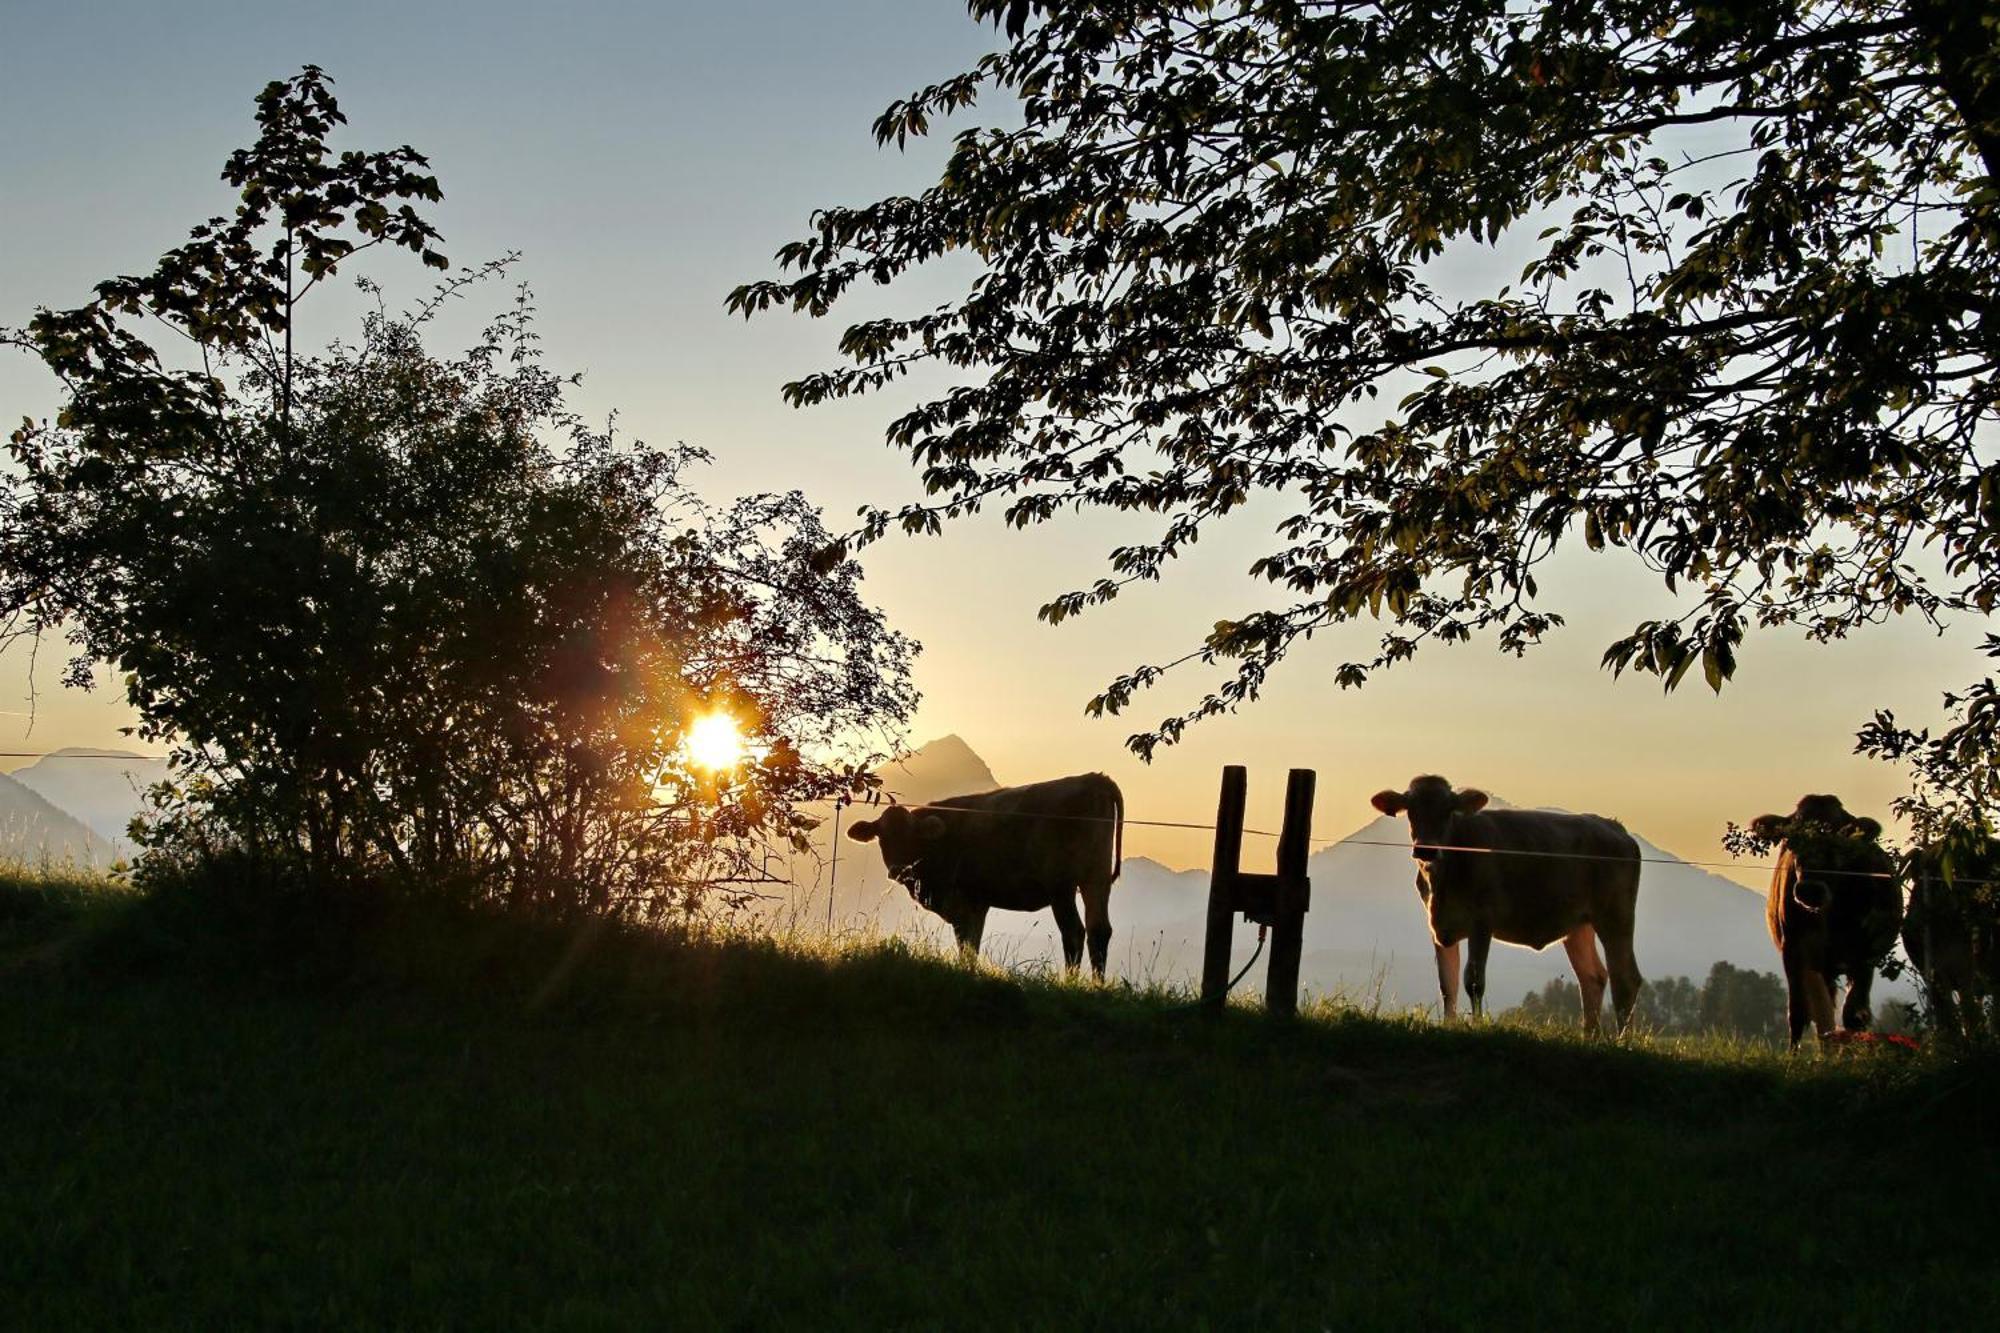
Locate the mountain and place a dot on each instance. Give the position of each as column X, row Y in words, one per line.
column 940, row 768
column 1366, row 938
column 865, row 898
column 1365, row 935
column 34, row 832
column 102, row 789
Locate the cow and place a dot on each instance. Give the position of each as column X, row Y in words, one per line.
column 1021, row 849
column 1950, row 936
column 1528, row 877
column 1834, row 907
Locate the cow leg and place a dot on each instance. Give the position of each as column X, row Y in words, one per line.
column 1475, row 971
column 1944, row 1006
column 1856, row 1014
column 1581, row 946
column 1796, row 1009
column 1625, row 979
column 1071, row 927
column 1447, row 965
column 1819, row 1001
column 969, row 923
column 1097, row 920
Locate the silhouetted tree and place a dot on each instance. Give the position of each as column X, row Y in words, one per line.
column 1556, row 1004
column 1670, row 1004
column 1460, row 282
column 1952, row 869
column 408, row 618
column 1744, row 1002
column 1733, row 1002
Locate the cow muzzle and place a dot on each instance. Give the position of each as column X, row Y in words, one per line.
column 1811, row 894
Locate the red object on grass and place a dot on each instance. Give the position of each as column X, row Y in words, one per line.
column 1843, row 1037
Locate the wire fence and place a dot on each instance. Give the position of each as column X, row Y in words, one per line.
column 1356, row 841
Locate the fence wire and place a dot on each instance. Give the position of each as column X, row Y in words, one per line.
column 1352, row 841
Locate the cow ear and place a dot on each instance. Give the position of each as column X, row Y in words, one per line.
column 1868, row 828
column 1388, row 802
column 1471, row 801
column 862, row 832
column 930, row 826
column 1771, row 828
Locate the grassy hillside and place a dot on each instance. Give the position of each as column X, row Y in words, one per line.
column 391, row 1122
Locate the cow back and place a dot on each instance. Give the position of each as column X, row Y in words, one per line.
column 1544, row 873
column 1019, row 848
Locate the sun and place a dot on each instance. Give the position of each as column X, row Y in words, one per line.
column 715, row 742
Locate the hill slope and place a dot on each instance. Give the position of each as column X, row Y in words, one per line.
column 743, row 1135
column 34, row 832
column 101, row 789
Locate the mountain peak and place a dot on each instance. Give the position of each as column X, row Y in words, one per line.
column 936, row 769
column 102, row 789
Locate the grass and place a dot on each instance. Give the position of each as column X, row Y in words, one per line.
column 426, row 1124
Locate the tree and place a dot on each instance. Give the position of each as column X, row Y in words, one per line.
column 1733, row 1001
column 1670, row 1004
column 1744, row 1002
column 410, row 619
column 1555, row 1005
column 1952, row 868
column 1216, row 259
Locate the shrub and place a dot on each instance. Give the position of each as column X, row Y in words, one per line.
column 409, row 621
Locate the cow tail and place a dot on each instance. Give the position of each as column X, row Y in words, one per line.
column 1117, row 834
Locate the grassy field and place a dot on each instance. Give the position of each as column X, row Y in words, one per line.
column 404, row 1124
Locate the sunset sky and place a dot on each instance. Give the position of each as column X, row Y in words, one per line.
column 647, row 157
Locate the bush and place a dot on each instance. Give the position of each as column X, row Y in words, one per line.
column 408, row 622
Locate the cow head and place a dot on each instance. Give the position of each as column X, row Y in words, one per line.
column 1433, row 807
column 1828, row 844
column 1434, row 810
column 905, row 835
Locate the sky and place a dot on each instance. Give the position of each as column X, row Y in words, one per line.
column 645, row 158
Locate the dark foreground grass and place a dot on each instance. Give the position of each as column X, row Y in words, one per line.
column 417, row 1127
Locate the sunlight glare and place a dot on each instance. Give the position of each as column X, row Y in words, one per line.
column 715, row 743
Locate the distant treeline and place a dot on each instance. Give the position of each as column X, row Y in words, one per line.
column 1733, row 1001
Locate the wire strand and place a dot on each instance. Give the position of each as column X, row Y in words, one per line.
column 1352, row 841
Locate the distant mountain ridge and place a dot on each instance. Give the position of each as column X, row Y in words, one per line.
column 34, row 832
column 1366, row 936
column 101, row 789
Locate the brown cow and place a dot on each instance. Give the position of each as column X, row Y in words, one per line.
column 1833, row 910
column 1527, row 877
column 1021, row 849
column 1953, row 944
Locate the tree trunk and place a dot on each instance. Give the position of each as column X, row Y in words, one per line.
column 1963, row 40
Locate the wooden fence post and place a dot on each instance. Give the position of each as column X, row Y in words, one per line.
column 1277, row 902
column 1293, row 895
column 1222, row 886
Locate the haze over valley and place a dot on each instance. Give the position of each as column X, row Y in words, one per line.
column 1365, row 936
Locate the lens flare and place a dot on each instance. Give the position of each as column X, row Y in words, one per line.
column 715, row 742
